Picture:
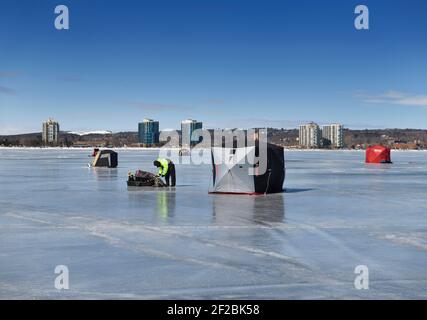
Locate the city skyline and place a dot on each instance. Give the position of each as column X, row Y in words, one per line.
column 310, row 135
column 178, row 127
column 275, row 64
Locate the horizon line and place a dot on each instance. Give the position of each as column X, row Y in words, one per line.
column 88, row 132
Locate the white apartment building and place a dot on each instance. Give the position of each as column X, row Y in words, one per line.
column 333, row 135
column 309, row 135
column 50, row 132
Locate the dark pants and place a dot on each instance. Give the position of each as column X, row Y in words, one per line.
column 170, row 175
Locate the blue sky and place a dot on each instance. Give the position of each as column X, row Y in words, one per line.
column 228, row 63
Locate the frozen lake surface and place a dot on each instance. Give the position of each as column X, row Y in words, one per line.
column 337, row 213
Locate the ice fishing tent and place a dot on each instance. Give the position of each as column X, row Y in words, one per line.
column 105, row 158
column 237, row 170
column 95, row 151
column 378, row 154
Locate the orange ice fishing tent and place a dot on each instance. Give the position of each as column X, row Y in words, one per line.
column 378, row 154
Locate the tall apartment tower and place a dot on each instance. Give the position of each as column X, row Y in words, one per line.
column 187, row 128
column 50, row 132
column 148, row 132
column 333, row 135
column 309, row 135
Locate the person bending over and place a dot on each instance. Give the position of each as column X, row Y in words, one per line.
column 166, row 170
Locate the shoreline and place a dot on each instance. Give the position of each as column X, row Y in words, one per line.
column 177, row 149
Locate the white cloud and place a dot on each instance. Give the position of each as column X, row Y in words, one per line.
column 420, row 101
column 7, row 91
column 8, row 74
column 395, row 97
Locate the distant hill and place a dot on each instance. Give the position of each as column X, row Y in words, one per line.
column 412, row 138
column 28, row 139
column 71, row 139
column 397, row 138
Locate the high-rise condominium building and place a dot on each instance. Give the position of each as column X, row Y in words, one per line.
column 333, row 135
column 148, row 132
column 309, row 135
column 50, row 132
column 187, row 128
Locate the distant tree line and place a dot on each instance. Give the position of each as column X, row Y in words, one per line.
column 416, row 138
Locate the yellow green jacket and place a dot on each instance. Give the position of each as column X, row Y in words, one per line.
column 164, row 166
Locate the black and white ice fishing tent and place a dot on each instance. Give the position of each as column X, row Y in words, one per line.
column 236, row 171
column 105, row 158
